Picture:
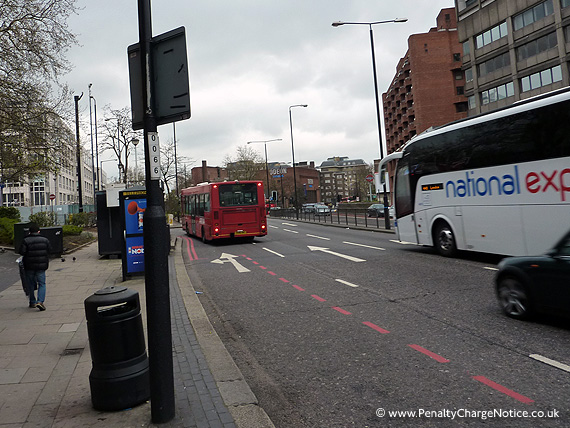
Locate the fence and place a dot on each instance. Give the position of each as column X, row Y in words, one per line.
column 61, row 212
column 349, row 218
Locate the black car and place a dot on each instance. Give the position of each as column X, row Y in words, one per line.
column 376, row 210
column 529, row 285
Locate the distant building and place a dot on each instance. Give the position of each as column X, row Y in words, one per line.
column 428, row 88
column 512, row 50
column 205, row 173
column 342, row 177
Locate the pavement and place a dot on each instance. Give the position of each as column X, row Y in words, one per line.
column 45, row 359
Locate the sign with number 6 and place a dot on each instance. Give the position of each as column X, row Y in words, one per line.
column 154, row 149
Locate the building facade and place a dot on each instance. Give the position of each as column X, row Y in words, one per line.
column 343, row 178
column 428, row 88
column 512, row 50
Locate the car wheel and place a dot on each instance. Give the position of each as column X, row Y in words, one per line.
column 513, row 298
column 444, row 240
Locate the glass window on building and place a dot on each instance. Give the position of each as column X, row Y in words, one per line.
column 467, row 48
column 565, row 3
column 533, row 14
column 543, row 78
column 471, row 102
column 469, row 75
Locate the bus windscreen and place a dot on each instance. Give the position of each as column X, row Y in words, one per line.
column 238, row 194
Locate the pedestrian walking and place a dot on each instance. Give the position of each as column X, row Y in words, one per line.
column 36, row 250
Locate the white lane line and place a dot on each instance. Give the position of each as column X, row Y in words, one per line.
column 292, row 231
column 550, row 362
column 490, row 268
column 362, row 245
column 350, row 284
column 403, row 242
column 318, row 237
column 273, row 227
column 273, row 252
column 290, row 224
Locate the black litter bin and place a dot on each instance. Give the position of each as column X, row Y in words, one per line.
column 119, row 378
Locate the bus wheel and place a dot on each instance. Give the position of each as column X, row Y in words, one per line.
column 444, row 240
column 187, row 229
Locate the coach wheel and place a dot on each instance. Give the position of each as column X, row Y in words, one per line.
column 444, row 240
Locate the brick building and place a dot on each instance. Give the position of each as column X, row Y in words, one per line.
column 428, row 88
column 205, row 173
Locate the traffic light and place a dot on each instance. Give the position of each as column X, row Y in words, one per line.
column 274, row 195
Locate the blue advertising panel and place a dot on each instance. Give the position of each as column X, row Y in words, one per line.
column 135, row 254
column 133, row 206
column 134, row 211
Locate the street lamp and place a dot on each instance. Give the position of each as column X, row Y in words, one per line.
column 266, row 165
column 93, row 164
column 370, row 24
column 135, row 142
column 96, row 142
column 293, row 155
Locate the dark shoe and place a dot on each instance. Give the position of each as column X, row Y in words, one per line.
column 33, row 305
column 41, row 306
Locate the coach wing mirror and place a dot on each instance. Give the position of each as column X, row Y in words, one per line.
column 382, row 174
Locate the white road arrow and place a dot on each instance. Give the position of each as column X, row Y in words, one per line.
column 230, row 258
column 344, row 256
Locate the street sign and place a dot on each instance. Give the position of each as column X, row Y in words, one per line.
column 172, row 87
column 52, row 197
column 370, row 178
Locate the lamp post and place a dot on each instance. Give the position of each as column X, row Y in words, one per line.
column 96, row 142
column 135, row 142
column 293, row 155
column 93, row 164
column 266, row 164
column 370, row 24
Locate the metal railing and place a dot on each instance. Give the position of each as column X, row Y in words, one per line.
column 348, row 218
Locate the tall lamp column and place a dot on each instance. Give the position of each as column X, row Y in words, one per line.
column 293, row 156
column 370, row 24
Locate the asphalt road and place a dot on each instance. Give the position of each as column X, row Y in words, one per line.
column 334, row 326
column 9, row 271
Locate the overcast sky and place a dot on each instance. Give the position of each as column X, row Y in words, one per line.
column 249, row 60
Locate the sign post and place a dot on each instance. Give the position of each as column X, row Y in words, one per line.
column 145, row 74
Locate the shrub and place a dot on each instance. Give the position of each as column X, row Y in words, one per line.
column 10, row 212
column 43, row 219
column 69, row 230
column 7, row 230
column 82, row 219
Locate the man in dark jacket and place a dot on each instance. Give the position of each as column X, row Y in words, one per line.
column 36, row 250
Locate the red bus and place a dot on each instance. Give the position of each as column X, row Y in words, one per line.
column 232, row 209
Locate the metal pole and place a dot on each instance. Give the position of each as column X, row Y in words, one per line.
column 156, row 247
column 385, row 198
column 96, row 147
column 92, row 149
column 175, row 158
column 293, row 155
column 267, row 171
column 79, row 180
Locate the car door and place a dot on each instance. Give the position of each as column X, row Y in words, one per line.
column 553, row 279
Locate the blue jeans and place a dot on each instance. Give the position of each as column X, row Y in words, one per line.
column 36, row 278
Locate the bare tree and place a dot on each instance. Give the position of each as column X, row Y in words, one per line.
column 118, row 136
column 168, row 164
column 246, row 165
column 34, row 106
